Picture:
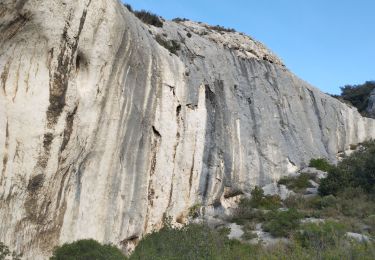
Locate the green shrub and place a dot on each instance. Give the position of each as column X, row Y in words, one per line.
column 190, row 242
column 251, row 210
column 178, row 20
column 282, row 223
column 354, row 202
column 149, row 18
column 321, row 164
column 298, row 183
column 87, row 250
column 219, row 28
column 260, row 201
column 201, row 242
column 335, row 181
column 194, row 211
column 356, row 170
column 247, row 214
column 129, row 7
column 171, row 45
column 357, row 95
column 321, row 235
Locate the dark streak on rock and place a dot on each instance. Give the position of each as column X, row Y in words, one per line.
column 217, row 163
column 5, row 158
column 319, row 118
column 211, row 109
column 35, row 183
column 11, row 29
column 191, row 174
column 61, row 186
column 68, row 129
column 4, row 76
column 155, row 142
column 60, row 79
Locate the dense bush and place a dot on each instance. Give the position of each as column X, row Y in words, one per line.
column 87, row 250
column 219, row 28
column 178, row 20
column 251, row 210
column 201, row 242
column 171, row 45
column 190, row 242
column 260, row 201
column 321, row 235
column 129, row 7
column 298, row 183
column 282, row 223
column 320, row 164
column 357, row 170
column 149, row 18
column 357, row 95
column 146, row 16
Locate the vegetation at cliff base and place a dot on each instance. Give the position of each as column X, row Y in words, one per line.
column 344, row 206
column 321, row 164
column 355, row 171
column 317, row 241
column 87, row 250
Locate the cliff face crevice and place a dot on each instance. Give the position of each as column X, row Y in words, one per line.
column 104, row 133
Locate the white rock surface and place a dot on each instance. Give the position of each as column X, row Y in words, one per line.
column 318, row 173
column 103, row 132
column 358, row 237
column 236, row 231
column 281, row 190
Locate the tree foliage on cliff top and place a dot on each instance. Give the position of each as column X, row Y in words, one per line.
column 357, row 95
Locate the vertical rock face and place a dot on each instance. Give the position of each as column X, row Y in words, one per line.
column 104, row 132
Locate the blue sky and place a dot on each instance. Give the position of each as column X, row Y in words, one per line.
column 328, row 43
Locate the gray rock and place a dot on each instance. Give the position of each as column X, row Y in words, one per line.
column 358, row 237
column 312, row 220
column 311, row 191
column 281, row 190
column 314, row 184
column 104, row 132
column 318, row 173
column 236, row 231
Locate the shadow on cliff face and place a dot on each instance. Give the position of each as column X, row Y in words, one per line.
column 217, row 163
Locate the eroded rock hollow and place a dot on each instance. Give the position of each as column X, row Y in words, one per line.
column 104, row 132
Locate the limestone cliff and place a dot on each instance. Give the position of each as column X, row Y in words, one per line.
column 104, row 132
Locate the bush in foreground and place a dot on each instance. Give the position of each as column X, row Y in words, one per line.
column 191, row 242
column 282, row 223
column 320, row 236
column 356, row 171
column 260, row 201
column 321, row 164
column 87, row 250
column 201, row 242
column 298, row 183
